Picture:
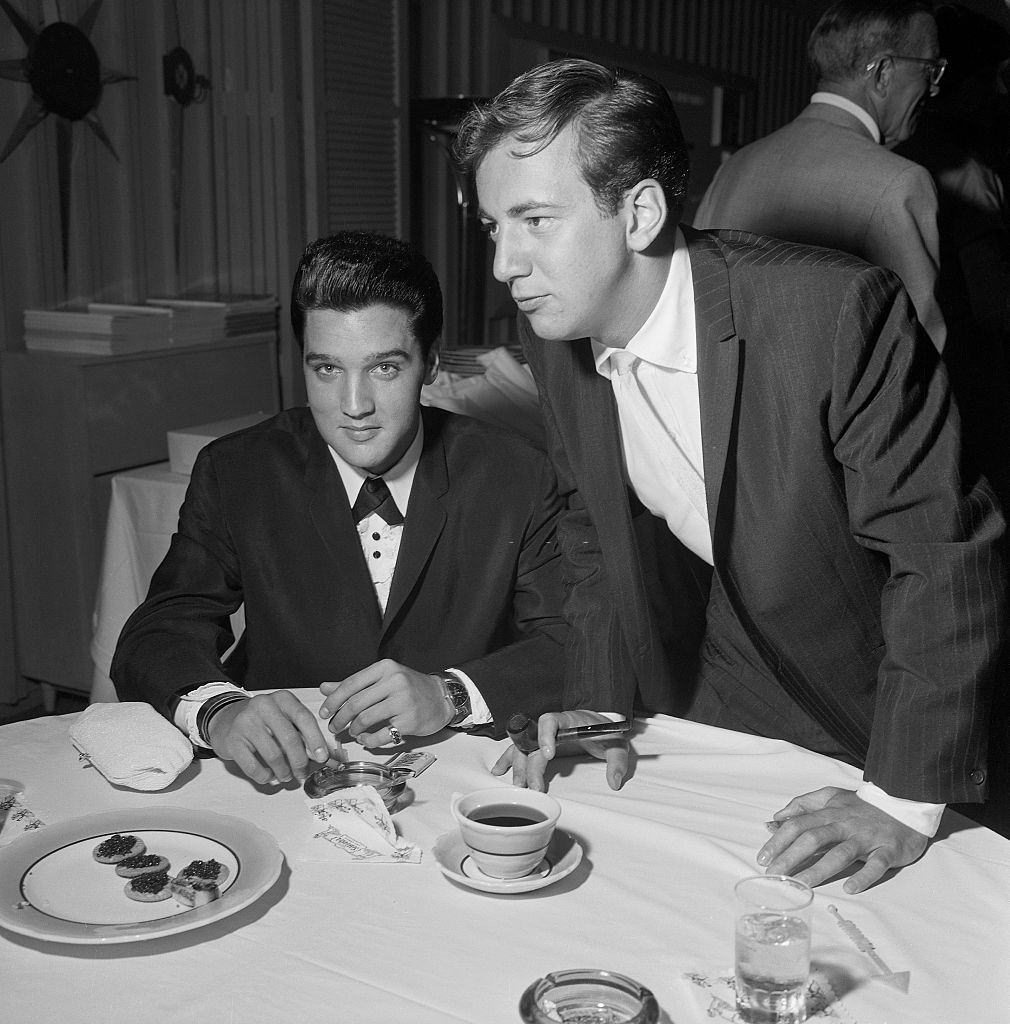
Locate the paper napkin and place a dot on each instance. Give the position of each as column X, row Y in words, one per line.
column 16, row 818
column 715, row 993
column 131, row 744
column 354, row 825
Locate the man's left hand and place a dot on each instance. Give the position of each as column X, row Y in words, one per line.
column 831, row 829
column 383, row 694
column 530, row 770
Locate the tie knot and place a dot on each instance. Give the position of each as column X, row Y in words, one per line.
column 374, row 497
column 622, row 361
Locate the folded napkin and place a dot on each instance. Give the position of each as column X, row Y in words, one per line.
column 354, row 825
column 16, row 818
column 131, row 744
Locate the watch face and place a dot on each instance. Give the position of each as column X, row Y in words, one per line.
column 458, row 695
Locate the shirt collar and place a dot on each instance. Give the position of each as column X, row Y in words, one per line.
column 668, row 338
column 399, row 479
column 834, row 100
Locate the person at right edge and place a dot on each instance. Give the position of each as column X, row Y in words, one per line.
column 767, row 527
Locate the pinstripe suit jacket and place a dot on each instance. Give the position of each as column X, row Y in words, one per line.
column 862, row 566
column 822, row 180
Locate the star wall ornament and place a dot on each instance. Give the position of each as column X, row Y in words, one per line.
column 64, row 72
column 67, row 79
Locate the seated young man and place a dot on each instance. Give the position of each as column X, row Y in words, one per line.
column 400, row 558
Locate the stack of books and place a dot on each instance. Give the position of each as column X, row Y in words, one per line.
column 97, row 329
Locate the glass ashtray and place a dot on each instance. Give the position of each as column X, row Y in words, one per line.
column 389, row 783
column 588, row 997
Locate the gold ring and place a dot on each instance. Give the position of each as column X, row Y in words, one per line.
column 394, row 735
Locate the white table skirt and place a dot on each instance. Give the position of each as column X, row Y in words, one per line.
column 653, row 899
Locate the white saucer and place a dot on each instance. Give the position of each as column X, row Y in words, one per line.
column 563, row 856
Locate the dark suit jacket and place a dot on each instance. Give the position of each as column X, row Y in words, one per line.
column 266, row 521
column 862, row 566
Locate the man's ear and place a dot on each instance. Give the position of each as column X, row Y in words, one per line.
column 646, row 205
column 432, row 368
column 880, row 77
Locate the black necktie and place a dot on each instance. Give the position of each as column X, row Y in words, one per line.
column 374, row 496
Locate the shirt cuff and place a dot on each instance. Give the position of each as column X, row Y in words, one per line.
column 923, row 817
column 480, row 713
column 190, row 703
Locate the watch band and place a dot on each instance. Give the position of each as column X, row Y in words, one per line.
column 457, row 697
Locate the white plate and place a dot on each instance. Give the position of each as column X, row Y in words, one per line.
column 563, row 856
column 52, row 888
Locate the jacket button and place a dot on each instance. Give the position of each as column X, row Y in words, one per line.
column 977, row 776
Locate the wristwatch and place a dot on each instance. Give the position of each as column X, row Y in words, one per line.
column 456, row 696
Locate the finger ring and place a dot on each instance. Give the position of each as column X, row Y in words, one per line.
column 394, row 735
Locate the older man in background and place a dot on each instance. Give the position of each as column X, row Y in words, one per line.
column 828, row 177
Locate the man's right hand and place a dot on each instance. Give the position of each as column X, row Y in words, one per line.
column 271, row 736
column 529, row 770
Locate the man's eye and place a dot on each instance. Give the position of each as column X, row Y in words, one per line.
column 325, row 369
column 538, row 222
column 490, row 229
column 387, row 369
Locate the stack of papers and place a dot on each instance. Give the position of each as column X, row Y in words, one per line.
column 213, row 318
column 467, row 362
column 98, row 329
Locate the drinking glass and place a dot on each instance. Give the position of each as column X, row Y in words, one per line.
column 772, row 949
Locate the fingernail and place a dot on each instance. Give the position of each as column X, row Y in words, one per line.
column 320, row 754
column 773, row 826
column 618, row 779
column 763, row 858
column 548, row 751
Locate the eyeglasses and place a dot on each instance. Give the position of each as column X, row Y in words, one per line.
column 935, row 71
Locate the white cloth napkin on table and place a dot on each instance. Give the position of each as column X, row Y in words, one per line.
column 131, row 744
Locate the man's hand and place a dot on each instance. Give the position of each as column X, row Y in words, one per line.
column 831, row 829
column 270, row 736
column 386, row 693
column 528, row 769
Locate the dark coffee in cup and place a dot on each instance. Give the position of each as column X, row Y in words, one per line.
column 507, row 815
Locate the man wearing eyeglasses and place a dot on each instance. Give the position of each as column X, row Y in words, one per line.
column 828, row 177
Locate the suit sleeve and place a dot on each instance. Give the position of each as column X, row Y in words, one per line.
column 904, row 237
column 896, row 434
column 177, row 638
column 527, row 675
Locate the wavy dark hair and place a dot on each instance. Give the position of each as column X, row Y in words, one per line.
column 624, row 124
column 355, row 269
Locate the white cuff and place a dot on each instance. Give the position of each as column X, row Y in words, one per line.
column 923, row 817
column 480, row 713
column 190, row 704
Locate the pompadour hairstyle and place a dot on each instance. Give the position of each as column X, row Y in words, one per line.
column 355, row 269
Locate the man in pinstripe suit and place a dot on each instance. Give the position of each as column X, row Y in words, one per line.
column 767, row 527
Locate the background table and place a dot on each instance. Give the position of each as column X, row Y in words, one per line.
column 653, row 899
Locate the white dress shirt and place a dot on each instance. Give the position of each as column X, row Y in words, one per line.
column 655, row 383
column 380, row 544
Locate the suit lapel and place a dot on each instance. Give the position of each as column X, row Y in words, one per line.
column 424, row 520
column 330, row 513
column 719, row 366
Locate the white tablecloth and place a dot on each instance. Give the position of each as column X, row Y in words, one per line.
column 653, row 899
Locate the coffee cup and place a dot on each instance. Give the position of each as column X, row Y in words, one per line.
column 505, row 830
